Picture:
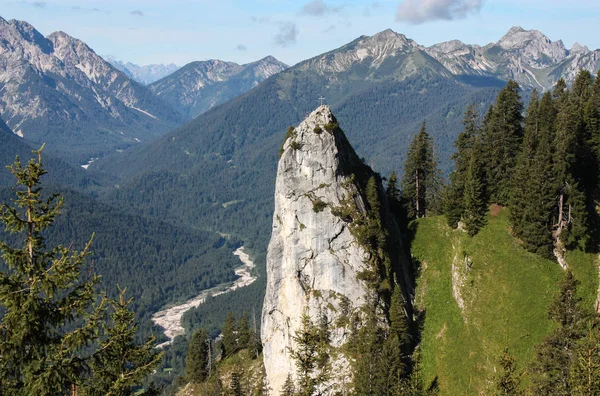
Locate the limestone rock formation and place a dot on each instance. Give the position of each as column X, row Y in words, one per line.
column 313, row 257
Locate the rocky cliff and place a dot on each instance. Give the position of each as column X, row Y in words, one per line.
column 315, row 258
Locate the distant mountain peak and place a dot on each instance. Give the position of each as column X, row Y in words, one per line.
column 517, row 37
column 578, row 49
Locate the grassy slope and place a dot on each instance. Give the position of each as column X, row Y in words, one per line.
column 507, row 293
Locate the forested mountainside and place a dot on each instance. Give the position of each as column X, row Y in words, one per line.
column 506, row 280
column 199, row 86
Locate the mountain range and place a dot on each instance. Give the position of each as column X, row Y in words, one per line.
column 199, row 86
column 57, row 90
column 145, row 74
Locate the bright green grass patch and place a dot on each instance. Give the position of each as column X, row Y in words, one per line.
column 506, row 293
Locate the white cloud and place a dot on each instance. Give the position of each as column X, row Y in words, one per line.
column 288, row 31
column 318, row 8
column 420, row 11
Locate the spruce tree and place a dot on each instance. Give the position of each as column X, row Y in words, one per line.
column 572, row 212
column 230, row 342
column 455, row 192
column 289, row 389
column 584, row 373
column 50, row 314
column 198, row 357
column 120, row 364
column 398, row 320
column 503, row 134
column 534, row 185
column 475, row 205
column 421, row 181
column 243, row 331
column 554, row 356
column 305, row 355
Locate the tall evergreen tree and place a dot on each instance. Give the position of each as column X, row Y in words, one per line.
column 305, row 354
column 421, row 181
column 289, row 389
column 503, row 134
column 455, row 192
column 534, row 187
column 243, row 331
column 555, row 355
column 54, row 334
column 198, row 357
column 572, row 213
column 474, row 201
column 119, row 363
column 230, row 336
column 49, row 316
column 585, row 368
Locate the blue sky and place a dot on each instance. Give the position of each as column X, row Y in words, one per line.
column 181, row 31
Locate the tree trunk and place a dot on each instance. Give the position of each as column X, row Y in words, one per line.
column 418, row 194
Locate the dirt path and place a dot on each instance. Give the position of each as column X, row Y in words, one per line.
column 170, row 318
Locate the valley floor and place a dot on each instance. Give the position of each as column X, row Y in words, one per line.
column 170, row 318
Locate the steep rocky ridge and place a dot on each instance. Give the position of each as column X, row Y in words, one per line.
column 314, row 257
column 527, row 56
column 56, row 90
column 199, row 86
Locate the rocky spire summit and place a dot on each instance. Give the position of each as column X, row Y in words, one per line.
column 314, row 257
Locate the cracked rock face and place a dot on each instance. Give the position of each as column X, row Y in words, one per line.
column 313, row 259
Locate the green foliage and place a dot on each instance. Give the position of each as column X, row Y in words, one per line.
column 289, row 389
column 502, row 135
column 51, row 341
column 230, row 339
column 198, row 357
column 507, row 383
column 42, row 294
column 555, row 355
column 421, row 181
column 584, row 375
column 120, row 364
column 318, row 206
column 289, row 134
column 318, row 130
column 305, row 355
column 331, row 127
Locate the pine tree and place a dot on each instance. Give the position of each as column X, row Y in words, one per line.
column 507, row 383
column 555, row 355
column 288, row 387
column 50, row 316
column 254, row 343
column 398, row 320
column 572, row 213
column 455, row 192
column 534, row 185
column 230, row 342
column 585, row 369
column 243, row 331
column 475, row 205
column 421, row 181
column 503, row 133
column 305, row 355
column 120, row 364
column 197, row 359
